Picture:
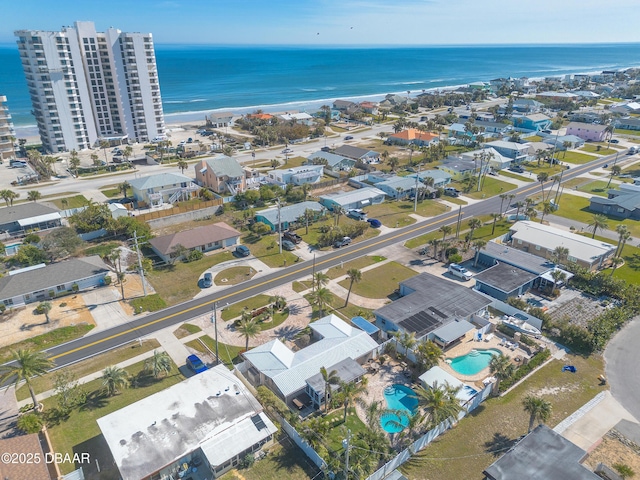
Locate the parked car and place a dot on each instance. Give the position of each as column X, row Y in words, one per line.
column 348, row 137
column 374, row 222
column 460, row 272
column 287, row 150
column 207, row 280
column 342, row 243
column 356, row 214
column 206, row 133
column 288, row 245
column 325, row 149
column 517, row 168
column 243, row 251
column 116, row 151
column 632, row 151
column 292, row 237
column 159, row 138
column 615, row 140
column 546, row 130
column 195, row 364
column 452, row 192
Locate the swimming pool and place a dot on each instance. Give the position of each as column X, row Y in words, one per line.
column 473, row 362
column 402, row 399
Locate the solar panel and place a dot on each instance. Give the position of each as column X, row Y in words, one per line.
column 420, row 323
column 258, row 422
column 437, row 312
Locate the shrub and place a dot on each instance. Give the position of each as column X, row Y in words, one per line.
column 75, row 287
column 107, row 280
column 247, row 461
column 194, row 255
column 518, row 303
column 3, row 308
column 31, row 238
column 524, row 370
column 30, row 423
column 455, row 258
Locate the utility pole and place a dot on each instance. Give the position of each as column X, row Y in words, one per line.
column 415, row 192
column 313, row 274
column 459, row 220
column 135, row 239
column 346, row 445
column 279, row 228
column 214, row 320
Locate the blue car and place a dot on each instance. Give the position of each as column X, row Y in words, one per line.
column 374, row 222
column 195, row 364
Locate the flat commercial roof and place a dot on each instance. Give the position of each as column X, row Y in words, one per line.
column 453, row 330
column 518, row 258
column 359, row 195
column 505, row 278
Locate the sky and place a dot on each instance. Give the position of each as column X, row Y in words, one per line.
column 338, row 22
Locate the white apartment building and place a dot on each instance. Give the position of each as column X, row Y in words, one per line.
column 7, row 150
column 88, row 86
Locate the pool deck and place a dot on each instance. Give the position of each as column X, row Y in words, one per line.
column 465, row 347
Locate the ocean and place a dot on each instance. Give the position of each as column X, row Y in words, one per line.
column 195, row 79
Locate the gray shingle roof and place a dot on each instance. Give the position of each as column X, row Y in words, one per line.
column 195, row 237
column 354, row 152
column 331, row 158
column 51, row 276
column 159, row 180
column 505, row 278
column 518, row 258
column 290, row 213
column 224, row 166
column 23, row 210
column 627, row 200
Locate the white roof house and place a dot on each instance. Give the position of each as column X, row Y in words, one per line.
column 437, row 375
column 289, row 371
column 359, row 198
column 211, row 414
column 542, row 240
column 496, row 159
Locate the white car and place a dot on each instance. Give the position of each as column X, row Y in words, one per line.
column 287, row 150
column 460, row 272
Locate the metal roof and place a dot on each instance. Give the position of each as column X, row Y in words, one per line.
column 331, row 158
column 289, row 371
column 224, row 166
column 347, row 370
column 288, row 213
column 47, row 217
column 453, row 330
column 405, row 183
column 505, row 278
column 346, row 198
column 21, row 211
column 159, row 180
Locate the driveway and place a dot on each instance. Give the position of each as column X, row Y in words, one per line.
column 622, row 357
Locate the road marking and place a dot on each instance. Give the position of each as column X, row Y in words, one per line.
column 301, row 269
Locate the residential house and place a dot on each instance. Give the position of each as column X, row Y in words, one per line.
column 465, row 113
column 22, row 217
column 526, row 105
column 564, row 142
column 493, row 127
column 496, row 160
column 353, row 199
column 587, row 131
column 518, row 152
column 298, row 175
column 346, row 106
column 266, row 117
column 290, row 214
column 626, row 108
column 618, row 203
column 427, row 304
column 221, row 174
column 29, row 447
column 557, row 96
column 413, row 136
column 295, row 376
column 358, row 154
column 219, row 119
column 459, row 131
column 534, row 122
column 587, row 115
column 440, row 178
column 586, row 94
column 203, row 239
column 332, row 161
column 302, row 118
column 541, row 455
column 44, row 282
column 542, row 240
column 369, row 107
column 631, row 123
column 459, row 167
column 401, row 187
column 206, row 424
column 393, row 100
column 161, row 188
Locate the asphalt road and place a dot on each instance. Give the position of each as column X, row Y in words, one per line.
column 79, row 349
column 622, row 357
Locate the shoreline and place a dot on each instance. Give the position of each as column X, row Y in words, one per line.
column 176, row 119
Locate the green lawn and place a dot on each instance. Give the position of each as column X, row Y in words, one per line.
column 284, row 461
column 186, row 329
column 577, row 208
column 80, row 432
column 91, row 365
column 490, row 188
column 179, row 282
column 228, row 353
column 456, row 200
column 630, row 270
column 235, row 310
column 339, row 429
column 507, row 173
column 380, row 282
column 396, row 213
column 337, row 306
column 266, row 249
column 465, row 451
column 301, row 286
column 76, row 201
column 577, row 158
column 484, row 232
column 544, row 167
column 598, row 149
column 46, row 340
column 314, row 230
column 294, row 162
column 597, row 187
column 148, row 303
column 359, row 263
column 234, row 275
column 621, row 131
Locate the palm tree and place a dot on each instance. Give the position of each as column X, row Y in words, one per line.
column 519, row 205
column 531, row 212
column 559, row 255
column 495, row 217
column 354, row 276
column 542, row 177
column 473, row 224
column 503, row 197
column 428, row 354
column 446, row 230
column 321, row 298
column 477, row 246
column 182, row 165
column 320, row 279
column 33, row 195
column 350, row 392
column 615, row 171
column 615, row 261
column 329, row 378
column 546, row 210
column 625, row 238
column 74, row 162
column 393, row 163
column 439, row 403
column 114, row 378
column 622, row 231
column 598, row 222
column 434, row 242
column 104, row 145
column 338, row 211
column 250, row 329
column 408, row 341
column 500, row 367
column 558, row 276
column 158, row 364
column 45, row 307
column 26, row 364
column 126, row 153
column 308, row 215
column 537, row 408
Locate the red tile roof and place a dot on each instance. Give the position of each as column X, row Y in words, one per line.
column 414, row 134
column 260, row 116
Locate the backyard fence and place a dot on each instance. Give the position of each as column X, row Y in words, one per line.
column 509, row 310
column 191, row 207
column 301, row 443
column 329, row 183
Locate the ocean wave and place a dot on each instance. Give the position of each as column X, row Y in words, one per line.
column 195, row 100
column 412, row 82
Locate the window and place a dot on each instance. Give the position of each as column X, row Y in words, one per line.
column 60, row 288
column 8, row 302
column 572, row 259
column 519, row 242
column 537, row 247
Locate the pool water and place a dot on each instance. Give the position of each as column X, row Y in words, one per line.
column 473, row 362
column 403, row 399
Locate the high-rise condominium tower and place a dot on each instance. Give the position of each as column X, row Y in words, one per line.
column 88, row 86
column 7, row 150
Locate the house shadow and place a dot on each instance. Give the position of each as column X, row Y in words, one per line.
column 499, row 444
column 101, row 464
